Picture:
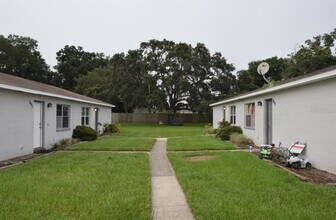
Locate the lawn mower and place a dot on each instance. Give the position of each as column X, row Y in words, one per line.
column 293, row 159
column 266, row 152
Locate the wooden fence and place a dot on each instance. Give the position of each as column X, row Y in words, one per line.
column 157, row 117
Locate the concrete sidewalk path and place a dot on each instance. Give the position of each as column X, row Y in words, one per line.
column 168, row 200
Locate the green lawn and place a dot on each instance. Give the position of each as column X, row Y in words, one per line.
column 199, row 142
column 135, row 137
column 238, row 185
column 77, row 186
column 157, row 131
column 117, row 143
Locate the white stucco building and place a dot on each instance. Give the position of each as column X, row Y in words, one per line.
column 301, row 109
column 35, row 115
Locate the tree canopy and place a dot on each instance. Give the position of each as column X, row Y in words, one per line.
column 160, row 74
column 73, row 62
column 19, row 56
column 250, row 79
column 315, row 54
column 164, row 75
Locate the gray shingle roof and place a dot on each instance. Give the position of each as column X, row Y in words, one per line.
column 29, row 86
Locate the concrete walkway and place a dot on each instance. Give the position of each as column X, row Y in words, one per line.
column 168, row 200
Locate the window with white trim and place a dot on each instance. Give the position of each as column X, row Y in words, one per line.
column 233, row 114
column 63, row 117
column 85, row 116
column 250, row 115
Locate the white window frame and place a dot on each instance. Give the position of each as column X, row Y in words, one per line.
column 62, row 117
column 250, row 115
column 85, row 117
column 233, row 114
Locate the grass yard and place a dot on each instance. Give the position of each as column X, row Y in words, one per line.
column 136, row 137
column 238, row 185
column 117, row 143
column 200, row 142
column 157, row 131
column 75, row 185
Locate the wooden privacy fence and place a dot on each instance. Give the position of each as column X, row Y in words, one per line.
column 157, row 117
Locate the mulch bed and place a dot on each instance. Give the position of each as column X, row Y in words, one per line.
column 22, row 159
column 313, row 175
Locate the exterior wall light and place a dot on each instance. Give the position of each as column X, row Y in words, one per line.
column 259, row 103
column 49, row 105
column 95, row 109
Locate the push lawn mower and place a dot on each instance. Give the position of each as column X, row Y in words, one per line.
column 266, row 152
column 293, row 159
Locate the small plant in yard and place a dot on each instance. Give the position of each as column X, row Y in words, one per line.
column 111, row 128
column 84, row 133
column 224, row 133
column 114, row 128
column 223, row 124
column 208, row 129
column 240, row 140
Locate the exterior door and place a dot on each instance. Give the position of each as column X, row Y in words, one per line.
column 38, row 124
column 269, row 121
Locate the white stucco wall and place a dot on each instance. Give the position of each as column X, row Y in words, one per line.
column 17, row 120
column 305, row 113
column 16, row 125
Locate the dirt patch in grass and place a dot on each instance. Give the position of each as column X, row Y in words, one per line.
column 313, row 175
column 202, row 157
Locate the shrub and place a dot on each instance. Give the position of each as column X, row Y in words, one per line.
column 224, row 133
column 223, row 124
column 208, row 129
column 84, row 133
column 240, row 140
column 113, row 128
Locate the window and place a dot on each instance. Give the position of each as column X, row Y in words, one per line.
column 250, row 115
column 85, row 116
column 233, row 114
column 63, row 117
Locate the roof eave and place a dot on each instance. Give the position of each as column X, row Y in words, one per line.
column 304, row 81
column 36, row 92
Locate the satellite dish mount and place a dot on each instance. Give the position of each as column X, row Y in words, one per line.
column 262, row 70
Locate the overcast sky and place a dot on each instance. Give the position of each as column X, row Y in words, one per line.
column 242, row 31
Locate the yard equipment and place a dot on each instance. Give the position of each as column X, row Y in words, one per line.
column 293, row 159
column 265, row 152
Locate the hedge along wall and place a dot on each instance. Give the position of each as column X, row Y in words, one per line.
column 157, row 117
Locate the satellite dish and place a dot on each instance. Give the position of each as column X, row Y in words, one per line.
column 263, row 68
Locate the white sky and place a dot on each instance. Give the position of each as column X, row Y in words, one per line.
column 242, row 31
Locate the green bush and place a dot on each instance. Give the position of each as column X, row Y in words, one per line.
column 113, row 128
column 208, row 129
column 240, row 140
column 224, row 133
column 223, row 124
column 84, row 133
